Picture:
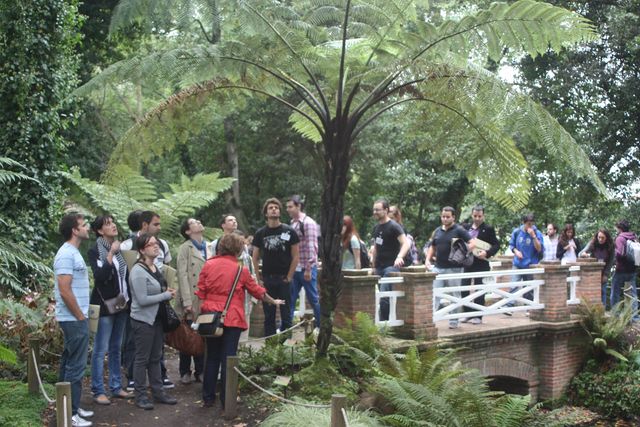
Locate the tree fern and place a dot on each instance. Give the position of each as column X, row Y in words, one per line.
column 125, row 190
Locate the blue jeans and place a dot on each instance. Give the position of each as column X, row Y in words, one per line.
column 446, row 283
column 617, row 289
column 108, row 338
column 310, row 290
column 384, row 302
column 520, row 278
column 217, row 351
column 74, row 357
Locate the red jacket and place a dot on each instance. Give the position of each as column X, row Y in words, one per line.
column 214, row 285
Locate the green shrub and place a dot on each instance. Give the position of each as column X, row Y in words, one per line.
column 613, row 393
column 294, row 416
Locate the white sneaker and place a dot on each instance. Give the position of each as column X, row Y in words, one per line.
column 476, row 321
column 78, row 421
column 85, row 413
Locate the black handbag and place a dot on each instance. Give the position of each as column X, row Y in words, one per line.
column 211, row 325
column 170, row 320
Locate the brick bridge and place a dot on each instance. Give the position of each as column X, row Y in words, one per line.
column 534, row 354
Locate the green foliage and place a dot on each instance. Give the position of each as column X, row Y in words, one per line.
column 18, row 264
column 33, row 316
column 38, row 61
column 606, row 330
column 611, row 393
column 291, row 416
column 124, row 190
column 18, row 407
column 433, row 386
column 322, row 379
column 7, row 355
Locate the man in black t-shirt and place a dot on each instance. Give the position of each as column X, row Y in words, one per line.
column 390, row 247
column 440, row 249
column 277, row 245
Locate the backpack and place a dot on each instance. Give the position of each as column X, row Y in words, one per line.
column 364, row 255
column 460, row 253
column 632, row 252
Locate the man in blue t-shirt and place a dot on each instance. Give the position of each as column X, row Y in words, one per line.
column 72, row 309
column 526, row 245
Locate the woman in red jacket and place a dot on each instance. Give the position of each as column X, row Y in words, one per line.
column 214, row 285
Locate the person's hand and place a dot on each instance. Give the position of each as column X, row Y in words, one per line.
column 172, row 292
column 482, row 254
column 517, row 253
column 427, row 265
column 188, row 310
column 585, row 255
column 278, row 302
column 307, row 274
column 115, row 247
column 399, row 262
column 531, row 232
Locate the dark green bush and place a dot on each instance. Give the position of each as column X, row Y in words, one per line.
column 613, row 393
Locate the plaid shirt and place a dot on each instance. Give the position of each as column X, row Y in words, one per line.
column 550, row 248
column 308, row 240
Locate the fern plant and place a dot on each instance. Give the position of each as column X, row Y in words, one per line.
column 606, row 330
column 292, row 416
column 124, row 190
column 15, row 258
column 433, row 387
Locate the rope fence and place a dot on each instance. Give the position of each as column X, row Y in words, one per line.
column 63, row 389
column 337, row 406
column 35, row 363
column 277, row 333
column 280, row 398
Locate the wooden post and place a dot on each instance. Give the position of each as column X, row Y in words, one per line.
column 32, row 378
column 338, row 402
column 231, row 389
column 63, row 404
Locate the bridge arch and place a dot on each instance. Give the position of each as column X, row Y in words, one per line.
column 510, row 375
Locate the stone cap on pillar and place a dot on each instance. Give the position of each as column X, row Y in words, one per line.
column 350, row 272
column 551, row 265
column 590, row 263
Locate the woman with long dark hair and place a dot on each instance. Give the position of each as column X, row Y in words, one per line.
column 149, row 291
column 350, row 245
column 214, row 286
column 568, row 245
column 602, row 248
column 110, row 277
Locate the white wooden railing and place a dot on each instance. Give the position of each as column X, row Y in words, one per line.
column 393, row 301
column 452, row 303
column 573, row 285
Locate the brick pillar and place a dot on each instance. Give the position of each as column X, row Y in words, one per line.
column 506, row 264
column 358, row 294
column 256, row 326
column 553, row 293
column 589, row 286
column 416, row 308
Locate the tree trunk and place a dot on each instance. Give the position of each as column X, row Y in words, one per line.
column 233, row 197
column 337, row 162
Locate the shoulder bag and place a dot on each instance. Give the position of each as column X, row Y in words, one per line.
column 210, row 325
column 113, row 305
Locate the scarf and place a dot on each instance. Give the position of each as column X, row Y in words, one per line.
column 202, row 247
column 103, row 250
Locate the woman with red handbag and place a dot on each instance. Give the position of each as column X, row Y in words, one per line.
column 217, row 285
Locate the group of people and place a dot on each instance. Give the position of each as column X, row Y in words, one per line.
column 283, row 258
column 391, row 248
column 132, row 297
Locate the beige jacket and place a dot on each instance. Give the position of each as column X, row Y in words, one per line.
column 189, row 264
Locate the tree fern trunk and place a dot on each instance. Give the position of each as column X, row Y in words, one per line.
column 232, row 197
column 337, row 161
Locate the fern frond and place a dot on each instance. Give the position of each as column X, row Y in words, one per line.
column 8, row 177
column 14, row 256
column 290, row 416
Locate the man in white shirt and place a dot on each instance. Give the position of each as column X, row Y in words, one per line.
column 550, row 242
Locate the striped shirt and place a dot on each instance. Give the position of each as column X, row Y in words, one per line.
column 307, row 230
column 68, row 261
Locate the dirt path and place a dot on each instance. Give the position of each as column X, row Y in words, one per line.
column 188, row 411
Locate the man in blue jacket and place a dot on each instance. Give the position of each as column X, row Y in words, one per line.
column 526, row 245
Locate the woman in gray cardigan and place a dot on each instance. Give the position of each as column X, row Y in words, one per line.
column 148, row 291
